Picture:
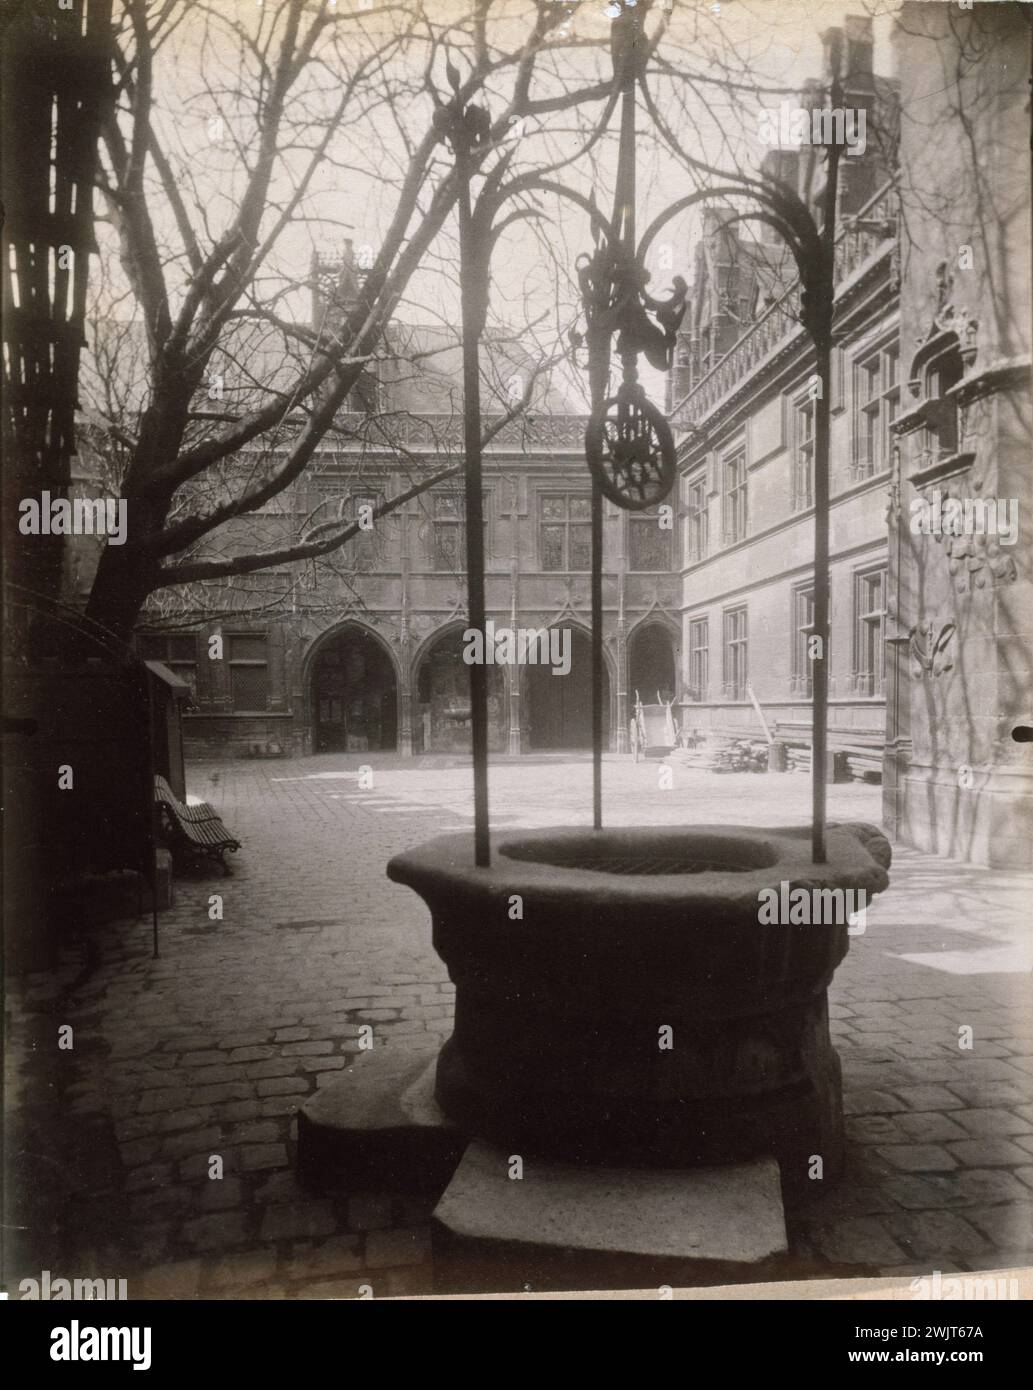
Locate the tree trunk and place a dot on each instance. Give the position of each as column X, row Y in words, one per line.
column 120, row 588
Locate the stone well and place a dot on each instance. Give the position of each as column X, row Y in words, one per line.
column 630, row 1008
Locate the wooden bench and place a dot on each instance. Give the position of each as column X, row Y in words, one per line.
column 195, row 829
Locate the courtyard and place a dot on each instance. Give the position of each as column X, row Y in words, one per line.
column 266, row 978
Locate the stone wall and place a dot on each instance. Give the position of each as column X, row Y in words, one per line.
column 964, row 619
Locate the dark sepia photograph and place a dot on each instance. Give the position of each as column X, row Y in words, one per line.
column 517, row 670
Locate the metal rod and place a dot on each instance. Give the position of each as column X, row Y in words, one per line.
column 472, row 298
column 822, row 409
column 597, row 656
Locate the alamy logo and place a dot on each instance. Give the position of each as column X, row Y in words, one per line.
column 786, row 906
column 78, row 1343
column 792, row 126
column 522, row 646
column 81, row 516
column 968, row 1286
column 966, row 516
column 46, row 1288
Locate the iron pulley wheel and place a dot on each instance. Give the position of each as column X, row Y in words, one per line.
column 630, row 451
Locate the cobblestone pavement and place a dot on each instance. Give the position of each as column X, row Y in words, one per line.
column 209, row 1050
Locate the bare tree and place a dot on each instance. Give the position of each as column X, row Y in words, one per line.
column 232, row 133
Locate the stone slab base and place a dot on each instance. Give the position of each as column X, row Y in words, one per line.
column 378, row 1127
column 794, row 1125
column 607, row 1226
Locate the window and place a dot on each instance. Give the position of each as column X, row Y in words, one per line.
column 449, row 550
column 565, row 531
column 649, row 544
column 363, row 549
column 178, row 653
column 803, row 455
column 249, row 672
column 941, row 431
column 878, row 400
column 699, row 658
column 869, row 632
column 735, row 516
column 697, row 519
column 736, row 671
column 450, row 531
column 803, row 628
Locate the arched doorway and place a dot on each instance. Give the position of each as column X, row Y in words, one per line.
column 560, row 707
column 354, row 695
column 651, row 665
column 441, row 715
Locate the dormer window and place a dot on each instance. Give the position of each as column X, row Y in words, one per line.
column 941, row 412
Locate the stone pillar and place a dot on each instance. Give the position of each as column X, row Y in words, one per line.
column 513, row 678
column 620, row 743
column 405, row 738
column 513, row 675
column 965, row 429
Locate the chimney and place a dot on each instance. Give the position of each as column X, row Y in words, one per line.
column 859, row 56
column 334, row 287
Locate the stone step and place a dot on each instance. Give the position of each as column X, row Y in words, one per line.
column 378, row 1127
column 556, row 1216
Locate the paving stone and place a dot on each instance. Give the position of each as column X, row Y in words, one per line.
column 252, row 1054
column 991, row 1094
column 254, row 1132
column 862, row 1240
column 864, row 1101
column 874, row 1129
column 340, row 1288
column 369, row 1212
column 988, row 1153
column 932, row 1235
column 405, row 1283
column 283, row 1086
column 275, row 1066
column 1025, row 1175
column 339, row 1255
column 217, row 1231
column 298, row 1220
column 149, row 1176
column 220, row 1194
column 917, row 1158
column 281, row 1187
column 258, row 1038
column 241, row 1271
column 255, row 1157
column 181, row 1279
column 192, row 1141
column 192, row 1118
column 198, row 1168
column 287, row 1035
column 927, row 1098
column 1008, row 1227
column 928, row 1127
column 991, row 1122
column 386, row 1249
column 139, row 1151
column 308, row 1049
column 203, row 1059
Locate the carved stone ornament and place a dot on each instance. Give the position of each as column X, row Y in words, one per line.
column 931, row 655
column 975, row 559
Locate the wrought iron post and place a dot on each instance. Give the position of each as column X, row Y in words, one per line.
column 465, row 127
column 818, row 312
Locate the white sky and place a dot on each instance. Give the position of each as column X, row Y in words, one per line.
column 777, row 40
